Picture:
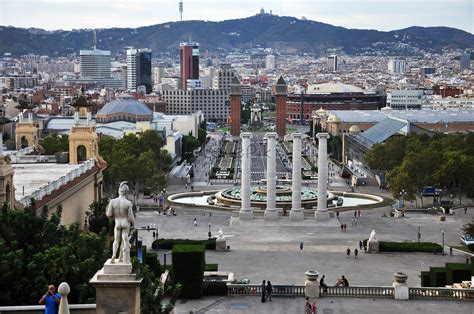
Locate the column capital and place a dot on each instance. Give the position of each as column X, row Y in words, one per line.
column 246, row 135
column 323, row 135
column 271, row 135
column 297, row 135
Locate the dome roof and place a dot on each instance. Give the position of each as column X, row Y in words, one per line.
column 354, row 129
column 334, row 119
column 125, row 104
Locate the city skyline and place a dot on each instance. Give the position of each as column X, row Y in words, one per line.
column 369, row 14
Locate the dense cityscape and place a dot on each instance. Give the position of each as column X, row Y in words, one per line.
column 236, row 164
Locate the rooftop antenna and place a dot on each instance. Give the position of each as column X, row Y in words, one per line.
column 94, row 39
column 181, row 9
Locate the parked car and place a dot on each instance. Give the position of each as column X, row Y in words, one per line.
column 467, row 240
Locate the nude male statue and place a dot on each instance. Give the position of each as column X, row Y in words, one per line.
column 120, row 209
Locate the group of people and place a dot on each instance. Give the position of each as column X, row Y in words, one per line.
column 356, row 253
column 267, row 290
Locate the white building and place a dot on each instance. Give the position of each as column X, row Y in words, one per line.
column 95, row 64
column 332, row 63
column 270, row 62
column 213, row 103
column 405, row 99
column 396, row 66
column 223, row 77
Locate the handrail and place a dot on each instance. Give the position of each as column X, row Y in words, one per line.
column 278, row 290
column 28, row 308
column 441, row 293
column 357, row 291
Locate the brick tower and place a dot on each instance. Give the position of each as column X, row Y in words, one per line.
column 280, row 94
column 235, row 94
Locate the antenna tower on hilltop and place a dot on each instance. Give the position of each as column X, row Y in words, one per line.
column 181, row 9
column 94, row 39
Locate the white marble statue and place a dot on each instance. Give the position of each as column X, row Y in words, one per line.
column 372, row 236
column 120, row 209
column 220, row 234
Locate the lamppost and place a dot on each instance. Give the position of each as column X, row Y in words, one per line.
column 442, row 232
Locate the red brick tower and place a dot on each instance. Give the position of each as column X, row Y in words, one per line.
column 280, row 94
column 235, row 94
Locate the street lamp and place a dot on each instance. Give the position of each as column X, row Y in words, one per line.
column 442, row 232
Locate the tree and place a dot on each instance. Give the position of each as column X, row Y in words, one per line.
column 388, row 155
column 457, row 168
column 190, row 143
column 55, row 143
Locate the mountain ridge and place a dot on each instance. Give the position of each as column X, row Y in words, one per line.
column 287, row 34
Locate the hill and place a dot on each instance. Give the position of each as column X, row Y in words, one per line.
column 288, row 34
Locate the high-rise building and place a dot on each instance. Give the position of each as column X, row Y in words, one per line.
column 465, row 61
column 95, row 64
column 396, row 66
column 223, row 77
column 332, row 63
column 270, row 62
column 139, row 69
column 189, row 62
column 405, row 99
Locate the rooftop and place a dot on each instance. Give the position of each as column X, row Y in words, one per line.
column 327, row 88
column 125, row 104
column 30, row 177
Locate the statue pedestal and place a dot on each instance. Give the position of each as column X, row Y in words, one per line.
column 311, row 285
column 400, row 287
column 117, row 289
column 221, row 245
column 373, row 246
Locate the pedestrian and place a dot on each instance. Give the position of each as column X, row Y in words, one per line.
column 337, row 214
column 154, row 234
column 264, row 289
column 365, row 248
column 360, row 245
column 313, row 308
column 269, row 290
column 195, row 222
column 355, row 221
column 51, row 300
column 356, row 253
column 359, row 212
column 323, row 285
column 348, row 252
column 342, row 227
column 307, row 306
column 345, row 227
column 355, row 213
column 301, row 245
column 451, row 250
column 465, row 210
column 352, row 220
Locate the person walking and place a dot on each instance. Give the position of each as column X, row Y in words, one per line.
column 323, row 285
column 342, row 227
column 307, row 306
column 465, row 210
column 269, row 290
column 195, row 222
column 355, row 213
column 313, row 308
column 51, row 300
column 359, row 212
column 264, row 290
column 348, row 252
column 360, row 245
column 345, row 227
column 301, row 245
column 356, row 253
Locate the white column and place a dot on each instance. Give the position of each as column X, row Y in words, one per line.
column 1, row 143
column 271, row 212
column 322, row 211
column 245, row 210
column 296, row 212
column 30, row 116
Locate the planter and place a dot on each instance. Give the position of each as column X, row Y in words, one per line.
column 400, row 277
column 311, row 275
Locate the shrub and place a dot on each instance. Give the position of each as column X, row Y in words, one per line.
column 214, row 288
column 427, row 247
column 188, row 269
column 471, row 247
column 167, row 244
column 211, row 267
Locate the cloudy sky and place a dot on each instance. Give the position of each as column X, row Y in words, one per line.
column 371, row 14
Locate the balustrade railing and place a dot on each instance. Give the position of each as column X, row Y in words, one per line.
column 372, row 292
column 441, row 293
column 278, row 290
column 56, row 184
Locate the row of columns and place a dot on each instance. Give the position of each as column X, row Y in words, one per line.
column 271, row 212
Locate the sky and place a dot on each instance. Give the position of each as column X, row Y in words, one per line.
column 361, row 14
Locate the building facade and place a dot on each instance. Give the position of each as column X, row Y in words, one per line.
column 139, row 69
column 396, row 66
column 405, row 99
column 189, row 62
column 95, row 64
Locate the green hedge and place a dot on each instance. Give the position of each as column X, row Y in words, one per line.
column 188, row 269
column 211, row 267
column 427, row 247
column 471, row 247
column 167, row 244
